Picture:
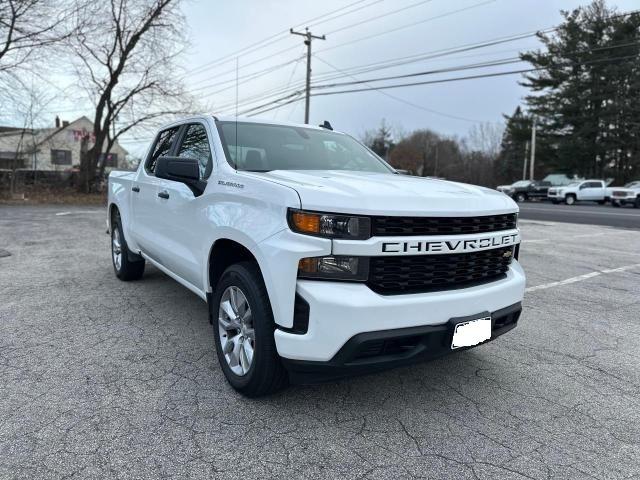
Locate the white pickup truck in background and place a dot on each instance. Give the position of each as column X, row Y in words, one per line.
column 627, row 195
column 316, row 258
column 587, row 190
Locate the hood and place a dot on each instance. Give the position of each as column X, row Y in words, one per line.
column 388, row 194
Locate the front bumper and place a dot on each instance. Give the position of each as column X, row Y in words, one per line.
column 339, row 311
column 375, row 351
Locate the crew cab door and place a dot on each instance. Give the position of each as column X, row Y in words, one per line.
column 591, row 191
column 144, row 196
column 181, row 212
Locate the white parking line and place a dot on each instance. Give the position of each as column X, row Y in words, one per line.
column 580, row 278
column 577, row 211
column 61, row 214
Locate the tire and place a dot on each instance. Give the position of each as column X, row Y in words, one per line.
column 126, row 264
column 636, row 204
column 521, row 197
column 264, row 373
column 555, row 202
column 570, row 199
column 616, row 204
column 601, row 202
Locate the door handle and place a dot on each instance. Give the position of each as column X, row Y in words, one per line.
column 135, row 189
column 163, row 194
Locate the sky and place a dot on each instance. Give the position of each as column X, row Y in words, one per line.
column 361, row 33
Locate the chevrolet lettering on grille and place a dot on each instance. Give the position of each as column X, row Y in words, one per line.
column 450, row 246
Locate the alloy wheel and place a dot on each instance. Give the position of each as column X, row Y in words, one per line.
column 235, row 328
column 116, row 248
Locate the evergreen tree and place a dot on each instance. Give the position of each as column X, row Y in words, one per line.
column 586, row 92
column 380, row 140
column 514, row 147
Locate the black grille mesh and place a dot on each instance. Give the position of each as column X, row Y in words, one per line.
column 389, row 226
column 427, row 273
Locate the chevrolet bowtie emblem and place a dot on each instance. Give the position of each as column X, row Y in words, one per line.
column 507, row 254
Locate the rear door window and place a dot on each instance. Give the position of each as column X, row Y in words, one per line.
column 161, row 148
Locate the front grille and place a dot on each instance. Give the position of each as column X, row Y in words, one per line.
column 401, row 226
column 429, row 273
column 619, row 194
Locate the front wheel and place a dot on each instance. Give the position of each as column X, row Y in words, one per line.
column 615, row 203
column 244, row 331
column 570, row 200
column 521, row 197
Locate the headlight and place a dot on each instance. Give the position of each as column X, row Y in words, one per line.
column 334, row 268
column 330, row 225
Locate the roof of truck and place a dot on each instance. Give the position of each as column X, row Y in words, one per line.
column 265, row 120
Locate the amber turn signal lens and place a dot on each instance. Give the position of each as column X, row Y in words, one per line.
column 306, row 222
column 308, row 265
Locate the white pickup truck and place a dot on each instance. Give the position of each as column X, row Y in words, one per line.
column 317, row 260
column 627, row 195
column 587, row 190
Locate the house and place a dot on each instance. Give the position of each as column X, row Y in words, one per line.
column 52, row 149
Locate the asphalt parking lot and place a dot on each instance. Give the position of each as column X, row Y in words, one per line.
column 105, row 379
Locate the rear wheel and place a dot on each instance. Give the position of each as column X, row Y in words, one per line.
column 127, row 265
column 244, row 330
column 570, row 199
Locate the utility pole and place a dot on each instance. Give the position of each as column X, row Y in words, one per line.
column 435, row 169
column 533, row 149
column 308, row 37
column 524, row 167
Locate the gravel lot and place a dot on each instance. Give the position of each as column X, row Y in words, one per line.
column 105, row 379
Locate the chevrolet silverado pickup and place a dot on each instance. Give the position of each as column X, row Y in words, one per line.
column 627, row 195
column 316, row 259
column 588, row 190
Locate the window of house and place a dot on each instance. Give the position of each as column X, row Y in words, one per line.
column 111, row 159
column 61, row 157
column 196, row 145
column 161, row 148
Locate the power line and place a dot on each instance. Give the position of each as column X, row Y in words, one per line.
column 402, row 100
column 402, row 27
column 376, row 17
column 428, row 72
column 283, row 34
column 469, row 77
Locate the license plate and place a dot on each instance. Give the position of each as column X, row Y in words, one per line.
column 473, row 332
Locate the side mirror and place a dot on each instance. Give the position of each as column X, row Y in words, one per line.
column 582, row 187
column 183, row 170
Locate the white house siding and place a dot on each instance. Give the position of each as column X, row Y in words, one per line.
column 65, row 139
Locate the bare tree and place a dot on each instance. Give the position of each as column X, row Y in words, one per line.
column 27, row 29
column 486, row 138
column 28, row 110
column 126, row 61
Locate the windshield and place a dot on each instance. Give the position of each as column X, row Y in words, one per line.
column 632, row 184
column 263, row 147
column 521, row 183
column 573, row 184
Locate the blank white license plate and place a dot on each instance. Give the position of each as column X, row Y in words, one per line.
column 473, row 332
